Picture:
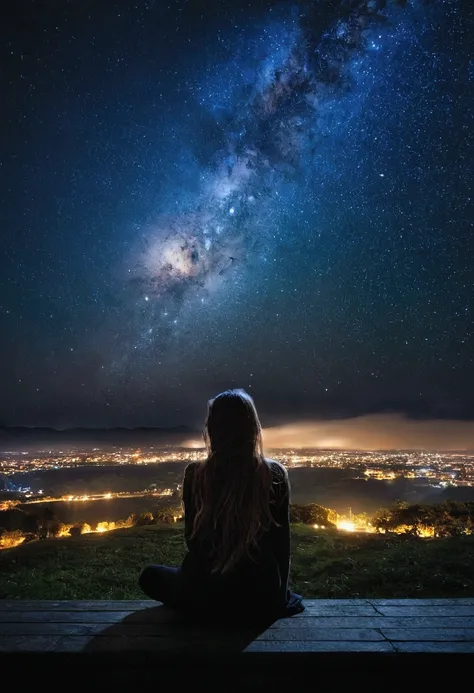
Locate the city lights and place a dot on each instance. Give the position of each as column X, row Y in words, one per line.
column 346, row 526
column 442, row 470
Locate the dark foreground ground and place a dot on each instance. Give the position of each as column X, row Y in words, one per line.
column 324, row 564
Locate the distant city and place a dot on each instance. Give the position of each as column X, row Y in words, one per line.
column 440, row 469
column 97, row 490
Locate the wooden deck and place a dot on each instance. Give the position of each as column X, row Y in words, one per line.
column 345, row 625
column 329, row 633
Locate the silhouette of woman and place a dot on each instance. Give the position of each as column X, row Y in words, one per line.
column 237, row 531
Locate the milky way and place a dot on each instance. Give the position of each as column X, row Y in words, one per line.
column 269, row 113
column 277, row 199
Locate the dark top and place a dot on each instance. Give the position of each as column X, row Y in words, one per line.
column 258, row 584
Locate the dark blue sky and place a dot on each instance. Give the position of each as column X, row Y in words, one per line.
column 201, row 197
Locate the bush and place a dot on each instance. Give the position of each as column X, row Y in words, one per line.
column 9, row 539
column 312, row 514
column 131, row 520
column 80, row 528
column 167, row 516
column 144, row 519
column 443, row 520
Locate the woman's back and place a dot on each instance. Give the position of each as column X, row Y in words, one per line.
column 260, row 574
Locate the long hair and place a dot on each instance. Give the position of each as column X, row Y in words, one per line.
column 233, row 486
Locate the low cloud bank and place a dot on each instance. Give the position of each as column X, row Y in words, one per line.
column 371, row 432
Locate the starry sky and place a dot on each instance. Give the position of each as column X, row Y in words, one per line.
column 203, row 195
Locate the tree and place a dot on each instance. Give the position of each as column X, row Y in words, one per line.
column 361, row 519
column 144, row 519
column 446, row 519
column 312, row 514
column 382, row 520
column 408, row 518
column 164, row 516
column 80, row 528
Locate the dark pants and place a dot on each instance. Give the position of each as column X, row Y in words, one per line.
column 162, row 583
column 169, row 586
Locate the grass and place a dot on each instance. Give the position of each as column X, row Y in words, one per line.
column 106, row 566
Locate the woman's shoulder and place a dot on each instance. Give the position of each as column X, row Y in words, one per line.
column 277, row 468
column 191, row 468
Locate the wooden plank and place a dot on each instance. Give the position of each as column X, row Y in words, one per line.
column 75, row 605
column 313, row 606
column 318, row 610
column 169, row 621
column 148, row 644
column 145, row 615
column 336, row 602
column 111, row 644
column 375, row 622
column 45, row 628
column 124, row 604
column 63, row 616
column 411, row 611
column 84, row 643
column 461, row 601
column 320, row 646
column 284, row 630
column 429, row 634
column 124, row 630
column 294, row 627
column 322, row 634
column 184, row 630
column 91, row 644
column 135, row 604
column 338, row 610
column 435, row 647
column 107, row 644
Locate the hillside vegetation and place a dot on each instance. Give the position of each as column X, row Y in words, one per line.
column 324, row 564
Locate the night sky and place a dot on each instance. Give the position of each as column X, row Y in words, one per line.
column 274, row 196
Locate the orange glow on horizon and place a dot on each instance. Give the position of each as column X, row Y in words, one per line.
column 371, row 432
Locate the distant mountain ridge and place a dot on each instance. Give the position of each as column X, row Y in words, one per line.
column 111, row 436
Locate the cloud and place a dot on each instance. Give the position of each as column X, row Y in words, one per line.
column 371, row 432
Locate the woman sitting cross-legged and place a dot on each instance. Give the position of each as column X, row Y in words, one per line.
column 236, row 512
